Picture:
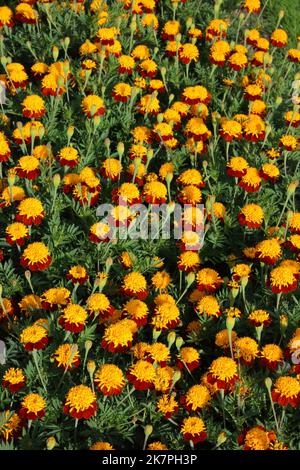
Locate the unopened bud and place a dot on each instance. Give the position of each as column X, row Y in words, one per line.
column 292, row 187
column 179, row 343
column 70, row 132
column 268, row 383
column 148, row 430
column 55, row 52
column 51, row 443
column 120, row 149
column 88, row 344
column 230, row 321
column 56, row 180
column 171, row 339
column 190, row 278
column 91, row 367
column 66, row 42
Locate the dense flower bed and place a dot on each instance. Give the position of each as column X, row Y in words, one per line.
column 148, row 343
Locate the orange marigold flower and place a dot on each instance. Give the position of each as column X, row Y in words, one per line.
column 81, row 402
column 73, row 318
column 208, row 280
column 271, row 356
column 251, row 215
column 13, row 379
column 36, row 257
column 32, row 407
column 193, row 429
column 67, row 356
column 282, row 280
column 286, row 391
column 223, row 373
column 109, row 379
column 142, row 375
column 196, row 398
column 246, row 350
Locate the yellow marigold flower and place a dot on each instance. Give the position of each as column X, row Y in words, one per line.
column 286, row 391
column 289, row 142
column 29, row 303
column 259, row 317
column 188, row 261
column 10, row 426
column 67, row 356
column 93, row 106
column 33, row 106
column 166, row 316
column 161, row 280
column 118, row 337
column 167, row 405
column 252, row 6
column 163, row 379
column 188, row 52
column 36, row 257
column 246, row 349
column 80, row 402
column 193, row 429
column 135, row 284
column 223, row 372
column 100, row 445
column 157, row 445
column 251, row 215
column 282, row 279
column 233, row 312
column 141, row 52
column 13, row 379
column 87, row 48
column 6, row 17
column 142, row 375
column 73, row 318
column 32, row 407
column 149, row 104
column 54, row 297
column 196, row 398
column 271, row 355
column 268, row 251
column 191, row 176
column 222, row 339
column 208, row 280
column 241, row 272
column 159, row 352
column 109, row 379
column 209, row 306
column 16, row 233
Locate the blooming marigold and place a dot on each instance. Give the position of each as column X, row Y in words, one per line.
column 259, row 318
column 282, row 280
column 16, row 233
column 251, row 181
column 28, row 167
column 167, row 405
column 257, row 438
column 209, row 306
column 33, row 106
column 77, row 274
column 118, row 337
column 34, row 337
column 279, row 38
column 286, row 391
column 93, row 106
column 223, row 373
column 67, row 356
column 251, row 215
column 196, row 398
column 109, row 379
column 188, row 357
column 271, row 356
column 166, row 316
column 13, row 379
column 141, row 375
column 193, row 429
column 73, row 318
column 246, row 350
column 36, row 257
column 80, row 402
column 208, row 280
column 12, row 425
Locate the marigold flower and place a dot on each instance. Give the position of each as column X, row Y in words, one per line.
column 34, row 337
column 30, row 211
column 122, row 92
column 93, row 106
column 269, row 172
column 155, row 192
column 230, row 130
column 293, row 243
column 135, row 285
column 289, row 142
column 257, row 438
column 294, row 223
column 13, row 379
column 251, row 181
column 99, row 303
column 32, row 407
column 279, row 38
column 216, row 28
column 6, row 17
column 246, row 350
column 80, row 402
column 294, row 55
column 196, row 398
column 237, row 167
column 55, row 297
column 286, row 391
column 188, row 261
column 192, row 96
column 142, row 375
column 238, row 61
column 166, row 316
column 77, row 274
column 33, row 106
column 282, row 280
column 268, row 251
column 109, row 379
column 188, row 52
column 126, row 64
column 149, row 104
column 209, row 306
column 28, row 167
column 271, row 356
column 66, row 356
column 11, row 427
column 222, row 339
column 36, row 257
column 118, row 337
column 223, row 373
column 68, row 156
column 167, row 405
column 73, row 318
column 208, row 280
column 193, row 429
column 188, row 357
column 100, row 445
column 251, row 215
column 16, row 233
column 170, row 30
column 259, row 318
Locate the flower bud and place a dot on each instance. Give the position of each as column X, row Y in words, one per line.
column 171, row 338
column 120, row 149
column 292, row 187
column 51, row 443
column 87, row 345
column 56, row 180
column 148, row 430
column 55, row 52
column 179, row 343
column 70, row 132
column 230, row 321
column 268, row 383
column 91, row 367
